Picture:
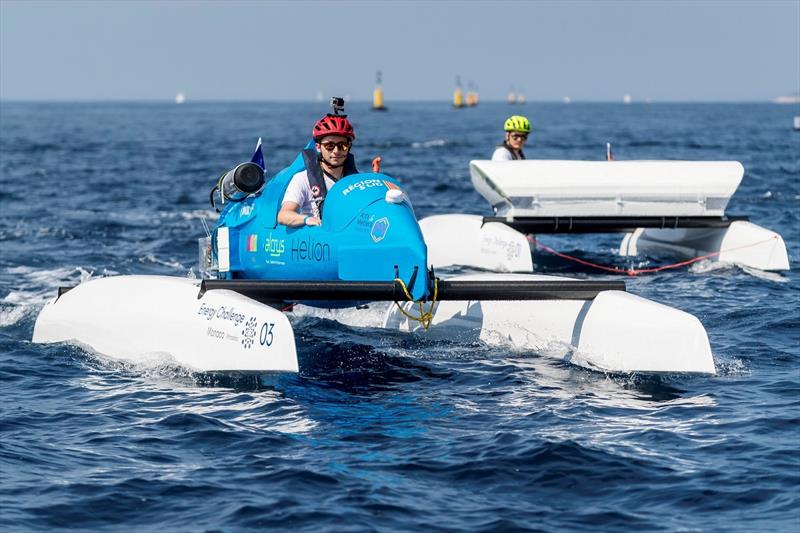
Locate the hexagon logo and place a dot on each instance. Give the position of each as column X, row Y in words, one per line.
column 379, row 229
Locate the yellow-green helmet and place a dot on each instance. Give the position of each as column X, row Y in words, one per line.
column 518, row 123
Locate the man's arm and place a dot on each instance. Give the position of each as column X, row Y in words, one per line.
column 295, row 195
column 288, row 216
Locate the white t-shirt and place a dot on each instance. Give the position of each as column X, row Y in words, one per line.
column 299, row 191
column 501, row 153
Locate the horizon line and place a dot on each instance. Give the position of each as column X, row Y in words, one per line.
column 368, row 101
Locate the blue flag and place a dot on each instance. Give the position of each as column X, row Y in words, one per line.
column 258, row 156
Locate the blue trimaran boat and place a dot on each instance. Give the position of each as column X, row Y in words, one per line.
column 368, row 249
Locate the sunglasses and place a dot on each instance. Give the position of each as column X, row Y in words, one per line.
column 344, row 146
column 519, row 136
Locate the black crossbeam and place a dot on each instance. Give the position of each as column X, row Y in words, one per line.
column 372, row 291
column 609, row 224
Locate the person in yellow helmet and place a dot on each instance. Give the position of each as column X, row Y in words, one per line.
column 517, row 129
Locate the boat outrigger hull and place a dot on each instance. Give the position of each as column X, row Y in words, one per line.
column 146, row 318
column 612, row 332
column 734, row 242
column 739, row 243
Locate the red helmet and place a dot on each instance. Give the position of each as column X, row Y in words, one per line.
column 333, row 125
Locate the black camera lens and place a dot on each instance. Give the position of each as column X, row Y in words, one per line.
column 248, row 177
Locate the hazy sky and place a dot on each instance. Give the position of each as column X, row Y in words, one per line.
column 259, row 50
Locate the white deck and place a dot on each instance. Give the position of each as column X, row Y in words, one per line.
column 546, row 188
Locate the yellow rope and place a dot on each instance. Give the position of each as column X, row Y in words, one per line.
column 425, row 316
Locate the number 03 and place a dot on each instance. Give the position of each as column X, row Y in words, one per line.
column 265, row 338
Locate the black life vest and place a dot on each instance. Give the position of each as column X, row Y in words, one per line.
column 513, row 155
column 316, row 177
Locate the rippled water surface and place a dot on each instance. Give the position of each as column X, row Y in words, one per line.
column 381, row 431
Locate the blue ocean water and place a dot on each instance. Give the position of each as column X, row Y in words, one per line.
column 384, row 431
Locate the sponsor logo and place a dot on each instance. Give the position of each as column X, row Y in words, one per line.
column 220, row 313
column 379, row 229
column 252, row 243
column 363, row 185
column 493, row 246
column 246, row 210
column 221, row 335
column 364, row 221
column 249, row 332
column 211, row 332
column 274, row 247
column 310, row 250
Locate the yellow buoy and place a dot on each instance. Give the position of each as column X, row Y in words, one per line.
column 458, row 98
column 377, row 99
column 458, row 95
column 377, row 95
column 472, row 94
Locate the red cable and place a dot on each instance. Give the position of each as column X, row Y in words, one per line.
column 636, row 271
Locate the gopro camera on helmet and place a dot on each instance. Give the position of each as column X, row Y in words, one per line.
column 337, row 103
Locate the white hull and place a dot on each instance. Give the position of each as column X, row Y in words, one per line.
column 465, row 240
column 615, row 332
column 741, row 243
column 139, row 318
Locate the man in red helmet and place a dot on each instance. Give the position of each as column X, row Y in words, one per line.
column 302, row 202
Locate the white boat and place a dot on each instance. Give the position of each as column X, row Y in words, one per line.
column 676, row 207
column 139, row 318
column 230, row 322
column 787, row 99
